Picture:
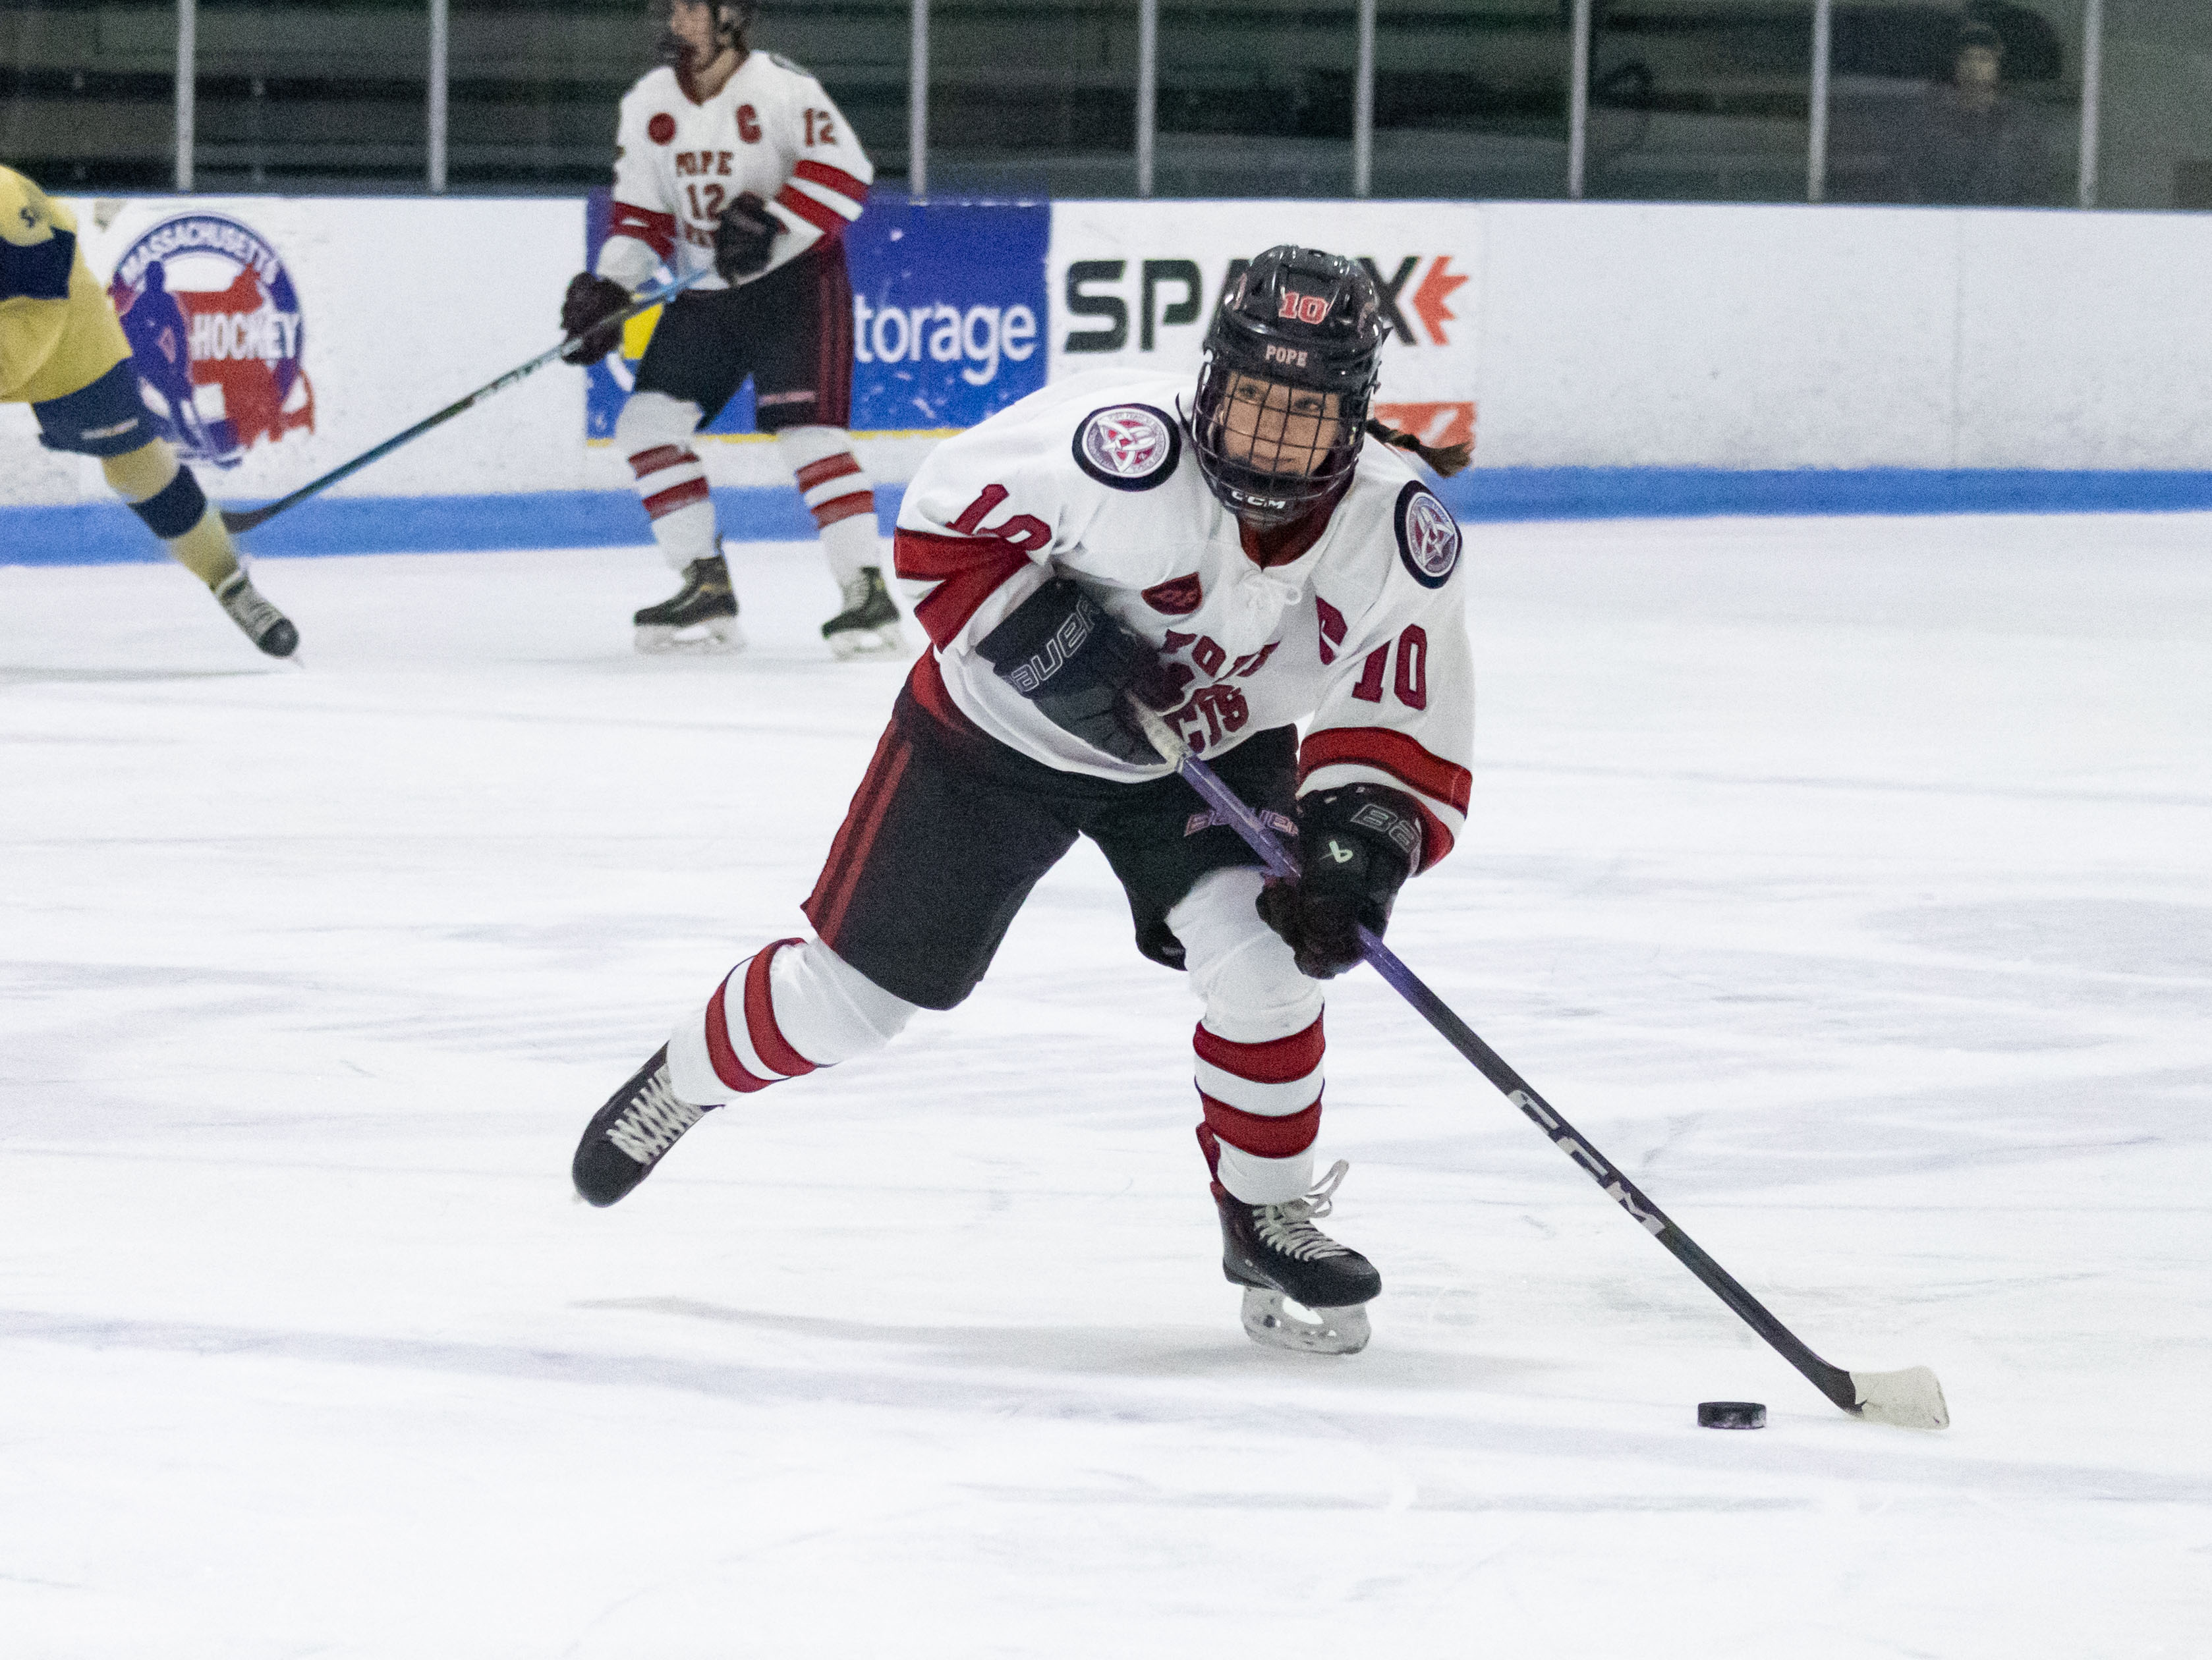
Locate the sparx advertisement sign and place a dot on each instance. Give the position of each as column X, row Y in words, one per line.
column 1134, row 284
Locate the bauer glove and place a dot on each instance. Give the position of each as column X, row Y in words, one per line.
column 590, row 301
column 1059, row 650
column 743, row 238
column 1357, row 845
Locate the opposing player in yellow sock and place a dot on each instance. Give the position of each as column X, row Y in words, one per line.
column 63, row 352
column 162, row 491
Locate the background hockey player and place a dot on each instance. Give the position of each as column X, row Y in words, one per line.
column 736, row 160
column 1237, row 559
column 64, row 352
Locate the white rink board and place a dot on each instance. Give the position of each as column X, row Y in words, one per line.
column 1589, row 335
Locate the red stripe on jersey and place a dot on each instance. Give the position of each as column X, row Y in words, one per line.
column 1264, row 1138
column 832, row 178
column 1282, row 1060
column 656, row 230
column 723, row 1053
column 826, row 219
column 654, row 460
column 1390, row 752
column 927, row 682
column 676, row 496
column 767, row 1037
column 830, row 467
column 843, row 507
column 968, row 571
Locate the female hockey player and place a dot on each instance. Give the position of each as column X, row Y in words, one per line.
column 1241, row 564
column 736, row 159
column 63, row 352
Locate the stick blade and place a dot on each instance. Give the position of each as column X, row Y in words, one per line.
column 1912, row 1399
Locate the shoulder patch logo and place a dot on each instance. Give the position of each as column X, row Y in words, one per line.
column 1178, row 597
column 1428, row 536
column 661, row 128
column 1129, row 447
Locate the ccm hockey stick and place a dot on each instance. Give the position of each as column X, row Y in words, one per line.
column 1912, row 1398
column 246, row 519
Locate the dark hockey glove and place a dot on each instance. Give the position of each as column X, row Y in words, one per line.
column 590, row 301
column 1357, row 845
column 1075, row 663
column 743, row 236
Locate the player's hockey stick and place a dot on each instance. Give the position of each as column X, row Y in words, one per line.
column 246, row 519
column 1912, row 1398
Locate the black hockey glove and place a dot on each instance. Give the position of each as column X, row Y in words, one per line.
column 590, row 301
column 1357, row 845
column 1075, row 663
column 743, row 236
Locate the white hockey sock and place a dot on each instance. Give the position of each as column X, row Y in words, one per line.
column 780, row 1013
column 655, row 430
column 1259, row 1050
column 837, row 492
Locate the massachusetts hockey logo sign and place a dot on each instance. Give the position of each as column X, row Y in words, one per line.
column 216, row 335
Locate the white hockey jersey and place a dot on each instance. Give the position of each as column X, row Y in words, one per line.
column 771, row 130
column 1095, row 478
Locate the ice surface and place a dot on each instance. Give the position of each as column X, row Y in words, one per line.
column 1845, row 882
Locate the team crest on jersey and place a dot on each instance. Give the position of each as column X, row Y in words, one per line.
column 661, row 128
column 1178, row 597
column 216, row 336
column 1428, row 536
column 1129, row 446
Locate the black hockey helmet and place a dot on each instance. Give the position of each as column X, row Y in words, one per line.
column 1300, row 321
column 733, row 18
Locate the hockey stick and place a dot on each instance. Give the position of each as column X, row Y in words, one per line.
column 248, row 517
column 1912, row 1398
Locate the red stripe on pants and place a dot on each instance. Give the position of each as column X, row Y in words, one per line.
column 1262, row 1138
column 760, row 1018
column 843, row 507
column 676, row 496
column 848, row 854
column 720, row 1051
column 830, row 467
column 1283, row 1060
column 667, row 455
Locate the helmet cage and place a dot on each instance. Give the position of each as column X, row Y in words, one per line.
column 1298, row 324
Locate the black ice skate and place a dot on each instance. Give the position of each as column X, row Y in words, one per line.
column 702, row 617
column 265, row 625
column 1274, row 1252
column 868, row 626
column 631, row 1133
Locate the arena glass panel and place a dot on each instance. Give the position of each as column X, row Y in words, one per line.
column 1470, row 99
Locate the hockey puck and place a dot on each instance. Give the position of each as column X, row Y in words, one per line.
column 1731, row 1414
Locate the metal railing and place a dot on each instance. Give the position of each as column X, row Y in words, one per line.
column 436, row 145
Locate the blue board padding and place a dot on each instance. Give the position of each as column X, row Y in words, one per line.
column 1502, row 494
column 101, row 534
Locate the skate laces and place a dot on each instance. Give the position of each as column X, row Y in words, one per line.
column 649, row 1125
column 1289, row 1228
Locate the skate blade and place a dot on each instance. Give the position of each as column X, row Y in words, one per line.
column 1270, row 1322
column 722, row 635
column 852, row 643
